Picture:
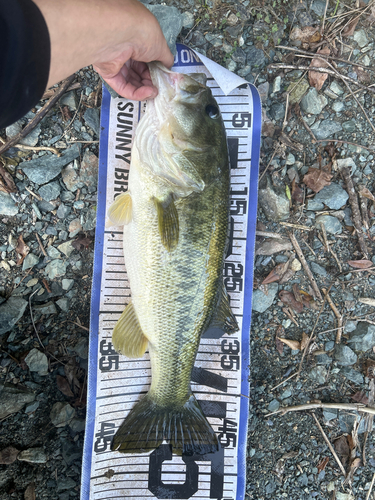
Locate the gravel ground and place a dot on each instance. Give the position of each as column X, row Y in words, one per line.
column 45, row 278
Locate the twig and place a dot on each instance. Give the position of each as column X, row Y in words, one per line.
column 72, row 120
column 323, row 229
column 347, row 142
column 329, row 445
column 38, row 117
column 364, row 212
column 41, row 246
column 38, row 148
column 298, row 111
column 35, row 195
column 355, row 209
column 323, row 56
column 32, row 317
column 44, row 281
column 50, row 92
column 267, row 234
column 283, row 382
column 371, row 486
column 335, row 406
column 83, row 327
column 324, row 18
column 285, row 311
column 321, row 70
column 305, row 266
column 338, row 316
column 297, row 226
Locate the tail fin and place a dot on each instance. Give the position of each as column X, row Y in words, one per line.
column 148, row 425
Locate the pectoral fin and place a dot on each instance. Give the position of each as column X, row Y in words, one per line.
column 120, row 212
column 128, row 338
column 168, row 223
column 224, row 317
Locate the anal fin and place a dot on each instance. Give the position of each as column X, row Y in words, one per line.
column 168, row 223
column 128, row 338
column 223, row 317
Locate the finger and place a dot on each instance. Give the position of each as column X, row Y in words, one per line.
column 132, row 91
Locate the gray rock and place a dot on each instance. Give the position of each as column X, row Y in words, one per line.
column 92, row 119
column 30, row 140
column 67, row 284
column 344, row 355
column 273, row 201
column 338, row 106
column 47, row 308
column 317, row 269
column 360, row 37
column 77, row 424
column 318, row 6
column 331, row 224
column 30, row 261
column 239, row 56
column 62, row 414
column 349, row 126
column 187, row 20
column 313, row 103
column 325, row 129
column 333, row 196
column 50, row 191
column 46, row 206
column 261, row 301
column 303, row 479
column 10, row 312
column 323, row 359
column 363, row 337
column 170, row 21
column 90, row 220
column 89, row 169
column 277, row 111
column 329, row 414
column 53, row 252
column 7, row 205
column 82, row 348
column 37, row 361
column 263, row 90
column 63, row 304
column 13, row 398
column 33, row 456
column 274, row 405
column 47, row 167
column 352, row 375
column 318, row 374
column 32, row 407
column 69, row 99
column 255, row 57
column 66, row 248
column 336, row 88
column 66, row 483
column 312, row 204
column 63, row 211
column 55, row 268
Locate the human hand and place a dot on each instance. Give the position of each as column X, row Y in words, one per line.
column 118, row 37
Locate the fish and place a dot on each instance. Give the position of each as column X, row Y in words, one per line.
column 175, row 216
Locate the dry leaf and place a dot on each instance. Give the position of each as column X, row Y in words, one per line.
column 81, row 242
column 350, row 27
column 304, row 341
column 276, row 273
column 30, row 492
column 279, row 345
column 322, row 464
column 63, row 386
column 21, row 249
column 317, row 79
column 360, row 264
column 366, row 193
column 307, row 34
column 308, row 300
column 288, row 274
column 6, row 181
column 66, row 114
column 362, row 75
column 342, row 448
column 293, row 344
column 297, row 193
column 8, row 455
column 271, row 246
column 316, row 179
column 366, row 300
column 360, row 397
column 288, row 299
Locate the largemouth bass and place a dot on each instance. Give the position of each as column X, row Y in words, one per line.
column 175, row 216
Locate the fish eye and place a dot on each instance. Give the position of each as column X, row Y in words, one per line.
column 212, row 111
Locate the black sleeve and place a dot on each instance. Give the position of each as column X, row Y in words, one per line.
column 24, row 58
